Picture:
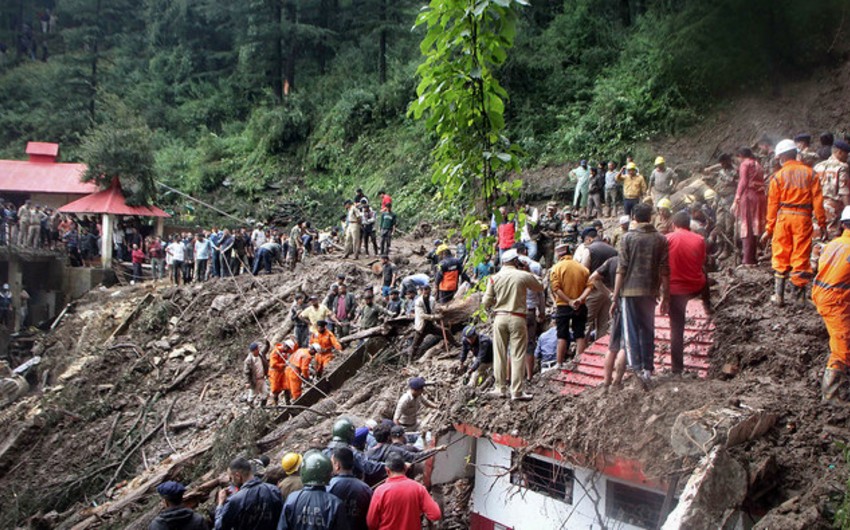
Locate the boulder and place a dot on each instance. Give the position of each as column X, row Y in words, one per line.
column 695, row 432
column 715, row 489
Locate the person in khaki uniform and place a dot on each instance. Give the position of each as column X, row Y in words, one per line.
column 354, row 220
column 834, row 177
column 506, row 296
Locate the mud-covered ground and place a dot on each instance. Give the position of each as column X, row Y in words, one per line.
column 75, row 444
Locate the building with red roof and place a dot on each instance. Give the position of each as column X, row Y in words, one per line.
column 42, row 179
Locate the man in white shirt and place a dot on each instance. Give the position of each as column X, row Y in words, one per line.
column 176, row 253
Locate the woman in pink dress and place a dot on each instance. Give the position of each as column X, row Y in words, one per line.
column 750, row 206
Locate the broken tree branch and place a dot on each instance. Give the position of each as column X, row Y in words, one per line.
column 186, row 373
column 138, row 445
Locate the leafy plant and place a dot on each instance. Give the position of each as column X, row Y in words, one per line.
column 464, row 104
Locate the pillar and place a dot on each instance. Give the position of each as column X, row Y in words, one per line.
column 160, row 226
column 16, row 280
column 106, row 240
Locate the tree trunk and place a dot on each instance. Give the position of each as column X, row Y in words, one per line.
column 94, row 59
column 382, row 45
column 277, row 56
column 289, row 71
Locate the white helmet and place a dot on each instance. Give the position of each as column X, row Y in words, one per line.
column 785, row 146
column 845, row 216
column 315, row 347
column 289, row 343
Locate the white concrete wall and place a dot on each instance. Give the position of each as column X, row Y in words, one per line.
column 495, row 498
column 451, row 464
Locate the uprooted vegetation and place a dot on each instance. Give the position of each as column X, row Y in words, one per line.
column 162, row 398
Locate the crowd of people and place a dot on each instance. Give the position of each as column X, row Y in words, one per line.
column 361, row 480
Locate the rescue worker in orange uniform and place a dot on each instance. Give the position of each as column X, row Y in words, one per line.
column 277, row 366
column 794, row 195
column 831, row 294
column 328, row 344
column 298, row 369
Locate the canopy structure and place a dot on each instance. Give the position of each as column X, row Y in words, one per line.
column 109, row 203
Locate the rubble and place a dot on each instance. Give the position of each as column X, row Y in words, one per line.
column 111, row 396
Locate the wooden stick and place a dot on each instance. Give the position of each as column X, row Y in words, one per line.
column 186, row 373
column 136, row 447
column 111, row 434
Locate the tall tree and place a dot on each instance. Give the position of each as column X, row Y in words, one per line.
column 466, row 41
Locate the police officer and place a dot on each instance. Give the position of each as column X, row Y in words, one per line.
column 353, row 492
column 249, row 504
column 506, row 295
column 343, row 436
column 313, row 508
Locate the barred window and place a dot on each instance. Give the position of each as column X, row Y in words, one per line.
column 632, row 505
column 544, row 476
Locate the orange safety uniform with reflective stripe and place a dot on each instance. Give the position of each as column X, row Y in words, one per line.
column 277, row 365
column 328, row 343
column 831, row 294
column 794, row 195
column 299, row 364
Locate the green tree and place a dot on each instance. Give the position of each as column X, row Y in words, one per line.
column 121, row 148
column 466, row 41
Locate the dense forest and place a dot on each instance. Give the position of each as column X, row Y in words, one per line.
column 282, row 100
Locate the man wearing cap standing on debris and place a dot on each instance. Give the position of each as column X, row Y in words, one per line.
column 634, row 187
column 662, row 181
column 353, row 221
column 794, row 195
column 643, row 275
column 174, row 516
column 831, row 294
column 506, row 296
column 805, row 153
column 835, row 183
column 254, row 370
column 550, row 230
column 407, row 409
column 581, row 176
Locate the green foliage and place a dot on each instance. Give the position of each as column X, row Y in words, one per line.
column 464, row 103
column 121, row 148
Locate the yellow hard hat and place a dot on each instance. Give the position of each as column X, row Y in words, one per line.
column 659, row 160
column 631, row 165
column 709, row 194
column 665, row 203
column 291, row 463
column 442, row 248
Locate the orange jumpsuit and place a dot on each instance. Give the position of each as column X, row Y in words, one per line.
column 328, row 343
column 277, row 365
column 298, row 362
column 831, row 294
column 794, row 195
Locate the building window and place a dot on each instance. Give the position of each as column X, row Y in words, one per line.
column 544, row 476
column 632, row 505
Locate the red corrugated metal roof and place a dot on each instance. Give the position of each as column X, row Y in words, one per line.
column 699, row 333
column 43, row 149
column 110, row 200
column 43, row 177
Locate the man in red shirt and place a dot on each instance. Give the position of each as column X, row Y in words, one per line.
column 138, row 257
column 399, row 503
column 687, row 280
